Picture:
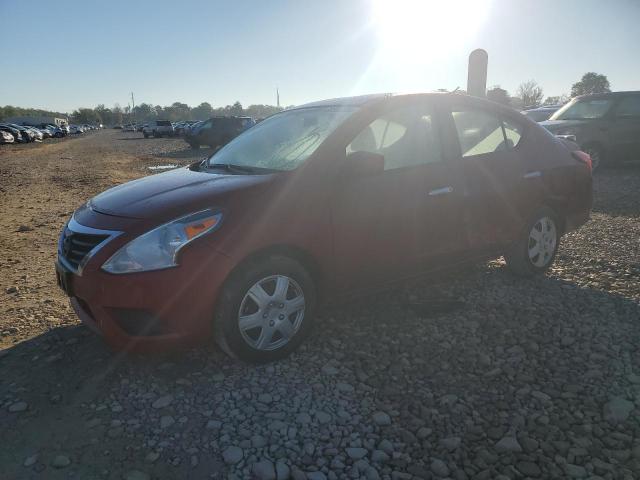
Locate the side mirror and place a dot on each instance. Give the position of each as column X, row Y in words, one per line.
column 363, row 164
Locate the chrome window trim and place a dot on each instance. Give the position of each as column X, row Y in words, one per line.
column 76, row 227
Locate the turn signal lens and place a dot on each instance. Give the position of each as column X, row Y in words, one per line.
column 194, row 229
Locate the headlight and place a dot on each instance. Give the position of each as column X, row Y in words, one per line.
column 159, row 247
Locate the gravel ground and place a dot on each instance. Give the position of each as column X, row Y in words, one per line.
column 523, row 379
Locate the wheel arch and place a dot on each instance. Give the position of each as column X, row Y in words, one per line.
column 302, row 256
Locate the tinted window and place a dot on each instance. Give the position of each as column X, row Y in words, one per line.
column 479, row 132
column 583, row 109
column 629, row 107
column 163, row 123
column 406, row 137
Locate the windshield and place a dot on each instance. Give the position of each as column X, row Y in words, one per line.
column 283, row 141
column 583, row 109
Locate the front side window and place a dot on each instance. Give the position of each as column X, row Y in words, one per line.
column 586, row 109
column 479, row 132
column 405, row 137
column 513, row 132
column 283, row 141
column 629, row 107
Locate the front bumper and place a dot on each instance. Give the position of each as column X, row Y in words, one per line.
column 149, row 311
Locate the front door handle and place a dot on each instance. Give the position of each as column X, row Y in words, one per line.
column 536, row 174
column 440, row 191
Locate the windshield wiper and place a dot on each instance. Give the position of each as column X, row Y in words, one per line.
column 246, row 169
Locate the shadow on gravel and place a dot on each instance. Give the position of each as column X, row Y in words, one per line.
column 533, row 352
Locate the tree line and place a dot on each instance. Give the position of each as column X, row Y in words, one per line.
column 144, row 112
column 175, row 112
column 530, row 94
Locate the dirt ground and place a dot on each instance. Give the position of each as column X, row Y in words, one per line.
column 41, row 184
column 536, row 378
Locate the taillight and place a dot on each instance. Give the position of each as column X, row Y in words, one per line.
column 583, row 157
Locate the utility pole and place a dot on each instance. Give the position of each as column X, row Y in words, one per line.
column 277, row 97
column 133, row 103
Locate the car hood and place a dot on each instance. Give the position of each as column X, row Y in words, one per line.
column 554, row 125
column 174, row 193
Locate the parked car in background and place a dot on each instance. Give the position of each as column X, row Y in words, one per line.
column 17, row 135
column 65, row 129
column 44, row 132
column 6, row 137
column 318, row 202
column 606, row 126
column 76, row 129
column 541, row 114
column 26, row 134
column 217, row 131
column 158, row 128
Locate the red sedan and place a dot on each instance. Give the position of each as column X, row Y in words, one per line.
column 316, row 203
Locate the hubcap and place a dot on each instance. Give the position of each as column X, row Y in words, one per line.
column 271, row 312
column 542, row 242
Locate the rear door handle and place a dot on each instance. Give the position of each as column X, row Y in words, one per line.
column 440, row 191
column 535, row 174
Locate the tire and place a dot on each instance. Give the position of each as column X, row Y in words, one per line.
column 597, row 154
column 146, row 135
column 529, row 256
column 265, row 309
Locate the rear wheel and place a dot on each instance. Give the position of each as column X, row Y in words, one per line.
column 534, row 252
column 266, row 310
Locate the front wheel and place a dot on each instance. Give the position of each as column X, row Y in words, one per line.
column 534, row 252
column 265, row 310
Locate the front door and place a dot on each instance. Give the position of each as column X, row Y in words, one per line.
column 405, row 219
column 624, row 134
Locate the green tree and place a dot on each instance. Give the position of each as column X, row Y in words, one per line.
column 235, row 109
column 591, row 82
column 498, row 95
column 202, row 111
column 531, row 94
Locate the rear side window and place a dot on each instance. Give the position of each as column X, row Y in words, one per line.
column 629, row 107
column 480, row 132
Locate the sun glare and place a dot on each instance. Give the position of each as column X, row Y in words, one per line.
column 415, row 31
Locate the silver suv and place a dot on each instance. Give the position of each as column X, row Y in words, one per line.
column 158, row 128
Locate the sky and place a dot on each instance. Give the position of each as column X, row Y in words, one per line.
column 67, row 54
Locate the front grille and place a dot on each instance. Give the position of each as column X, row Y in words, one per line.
column 74, row 246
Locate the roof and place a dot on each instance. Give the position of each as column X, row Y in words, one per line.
column 609, row 94
column 356, row 101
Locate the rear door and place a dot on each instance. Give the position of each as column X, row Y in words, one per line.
column 498, row 186
column 624, row 133
column 405, row 219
